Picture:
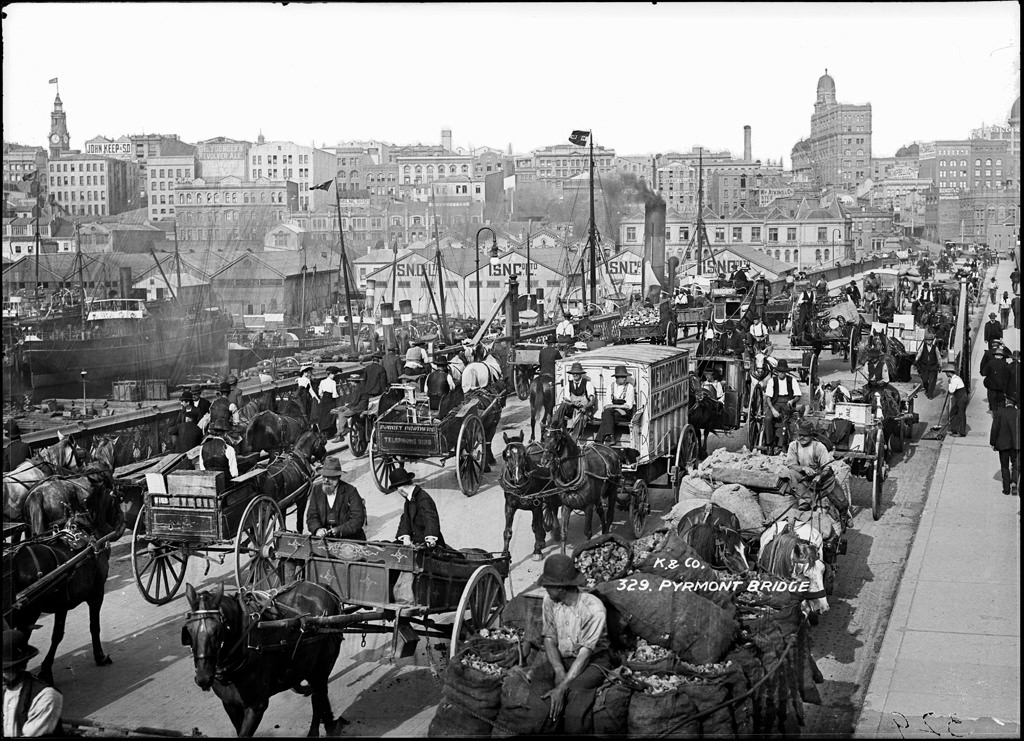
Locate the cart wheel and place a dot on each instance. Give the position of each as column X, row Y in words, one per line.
column 671, row 333
column 853, row 348
column 357, row 441
column 157, row 565
column 755, row 417
column 255, row 542
column 480, row 606
column 812, row 371
column 639, row 507
column 687, row 452
column 470, row 455
column 523, row 379
column 878, row 475
column 381, row 465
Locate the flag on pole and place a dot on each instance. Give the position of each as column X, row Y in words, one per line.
column 579, row 138
column 53, row 81
column 325, row 185
column 29, row 175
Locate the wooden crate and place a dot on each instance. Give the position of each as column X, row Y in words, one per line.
column 856, row 413
column 156, row 389
column 195, row 483
column 127, row 391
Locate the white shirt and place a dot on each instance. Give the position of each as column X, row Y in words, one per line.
column 758, row 331
column 955, row 383
column 626, row 391
column 588, row 389
column 716, row 389
column 328, row 386
column 565, row 329
column 773, row 387
column 42, row 716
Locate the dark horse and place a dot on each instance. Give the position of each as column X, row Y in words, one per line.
column 272, row 432
column 703, row 413
column 34, row 560
column 714, row 533
column 228, row 658
column 523, row 479
column 584, row 478
column 289, row 471
column 265, row 402
column 542, row 401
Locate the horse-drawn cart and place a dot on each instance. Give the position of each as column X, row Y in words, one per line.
column 411, row 431
column 409, row 591
column 525, row 360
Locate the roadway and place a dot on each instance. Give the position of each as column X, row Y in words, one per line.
column 151, row 680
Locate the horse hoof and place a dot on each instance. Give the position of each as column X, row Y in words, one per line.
column 104, row 661
column 537, row 556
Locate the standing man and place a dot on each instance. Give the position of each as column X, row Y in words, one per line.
column 202, row 403
column 957, row 400
column 1015, row 308
column 547, row 357
column 993, row 329
column 997, row 376
column 392, row 365
column 420, row 522
column 335, row 507
column 1004, row 310
column 805, row 311
column 1014, row 279
column 783, row 392
column 31, row 706
column 1005, row 440
column 565, row 332
column 993, row 290
column 575, row 644
column 927, row 362
column 377, row 379
column 853, row 292
column 821, row 289
column 222, row 409
column 621, row 407
column 186, row 434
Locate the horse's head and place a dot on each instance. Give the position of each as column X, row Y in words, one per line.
column 65, row 453
column 516, row 461
column 554, row 443
column 206, row 630
column 102, row 452
column 714, row 532
column 312, row 444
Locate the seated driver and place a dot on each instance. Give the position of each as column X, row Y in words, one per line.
column 806, row 454
column 622, row 404
column 713, row 386
column 335, row 507
column 580, row 395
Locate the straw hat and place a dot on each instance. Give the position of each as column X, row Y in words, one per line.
column 949, row 368
column 620, row 371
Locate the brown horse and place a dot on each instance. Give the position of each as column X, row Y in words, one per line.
column 272, row 432
column 222, row 633
column 31, row 561
column 289, row 471
column 542, row 402
column 714, row 533
column 523, row 481
column 584, row 478
column 703, row 413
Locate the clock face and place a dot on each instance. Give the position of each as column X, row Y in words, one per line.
column 55, row 138
column 67, row 138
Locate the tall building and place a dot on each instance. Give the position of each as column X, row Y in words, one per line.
column 60, row 139
column 88, row 184
column 19, row 162
column 221, row 157
column 165, row 175
column 838, row 151
column 305, row 166
column 230, row 212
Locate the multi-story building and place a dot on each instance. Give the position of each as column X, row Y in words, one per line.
column 19, row 236
column 837, row 154
column 166, row 174
column 561, row 162
column 980, row 210
column 60, row 139
column 19, row 162
column 870, row 228
column 305, row 166
column 88, row 184
column 221, row 157
column 140, row 148
column 231, row 212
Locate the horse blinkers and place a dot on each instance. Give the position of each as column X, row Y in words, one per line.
column 186, row 637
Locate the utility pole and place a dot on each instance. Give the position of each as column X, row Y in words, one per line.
column 592, row 237
column 344, row 269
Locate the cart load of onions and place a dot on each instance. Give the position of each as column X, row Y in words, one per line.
column 604, row 562
column 503, row 633
column 642, row 317
column 473, row 660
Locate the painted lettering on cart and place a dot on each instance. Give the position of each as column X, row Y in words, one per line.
column 666, row 399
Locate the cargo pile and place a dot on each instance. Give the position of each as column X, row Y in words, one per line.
column 603, row 558
column 640, row 317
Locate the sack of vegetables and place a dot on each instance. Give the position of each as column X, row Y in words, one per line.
column 603, row 558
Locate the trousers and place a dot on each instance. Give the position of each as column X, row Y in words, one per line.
column 577, row 717
column 929, row 374
column 1008, row 467
column 958, row 413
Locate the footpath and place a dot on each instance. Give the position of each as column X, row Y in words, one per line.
column 949, row 664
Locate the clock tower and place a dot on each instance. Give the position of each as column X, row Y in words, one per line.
column 60, row 140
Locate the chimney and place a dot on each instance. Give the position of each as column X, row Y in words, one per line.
column 673, row 267
column 747, row 149
column 654, row 236
column 126, row 282
column 446, row 139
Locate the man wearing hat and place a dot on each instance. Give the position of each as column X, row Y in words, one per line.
column 740, row 280
column 957, row 400
column 575, row 630
column 547, row 357
column 807, row 454
column 218, row 454
column 16, row 451
column 328, row 393
column 335, row 507
column 853, row 293
column 1004, row 438
column 713, row 387
column 376, row 376
column 997, row 375
column 925, row 295
column 186, row 434
column 202, row 404
column 222, row 409
column 392, row 365
column 622, row 404
column 597, row 341
column 757, row 335
column 927, row 362
column 416, row 359
column 993, row 290
column 439, row 383
column 305, row 394
column 360, row 403
column 731, row 341
column 805, row 310
column 565, row 332
column 31, row 707
column 235, row 395
column 579, row 394
column 420, row 522
column 782, row 392
column 993, row 329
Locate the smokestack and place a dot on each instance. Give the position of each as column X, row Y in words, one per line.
column 747, row 149
column 673, row 267
column 126, row 282
column 654, row 235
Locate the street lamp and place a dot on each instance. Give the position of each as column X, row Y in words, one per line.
column 83, row 374
column 834, row 232
column 494, row 258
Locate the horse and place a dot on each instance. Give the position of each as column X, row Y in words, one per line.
column 523, row 478
column 714, row 533
column 33, row 560
column 585, row 477
column 786, row 555
column 826, row 396
column 542, row 402
column 219, row 629
column 265, row 402
column 703, row 413
column 288, row 471
column 272, row 432
column 60, row 458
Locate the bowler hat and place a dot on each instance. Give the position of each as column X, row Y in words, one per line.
column 398, row 477
column 333, row 369
column 220, row 424
column 12, row 429
column 782, row 366
column 196, row 389
column 332, row 468
column 186, row 395
column 441, row 360
column 576, row 369
column 232, row 380
column 730, row 324
column 225, row 387
column 16, row 649
column 620, row 371
column 560, row 571
column 805, row 428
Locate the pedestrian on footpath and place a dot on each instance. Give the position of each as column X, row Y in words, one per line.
column 31, row 706
column 1005, row 440
column 956, row 400
column 1015, row 308
column 996, row 373
column 1004, row 310
column 993, row 329
column 927, row 362
column 1014, row 279
column 993, row 290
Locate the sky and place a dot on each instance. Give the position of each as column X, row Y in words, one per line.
column 644, row 78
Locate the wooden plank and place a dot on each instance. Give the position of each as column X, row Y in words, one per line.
column 748, row 478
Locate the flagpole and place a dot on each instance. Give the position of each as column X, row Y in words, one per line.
column 344, row 267
column 593, row 227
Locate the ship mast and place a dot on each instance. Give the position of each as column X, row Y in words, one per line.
column 700, row 213
column 81, row 282
column 592, row 231
column 344, row 268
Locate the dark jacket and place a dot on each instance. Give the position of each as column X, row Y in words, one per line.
column 376, row 379
column 186, row 436
column 392, row 366
column 996, row 373
column 731, row 342
column 203, row 405
column 348, row 513
column 1005, row 434
column 15, row 453
column 548, row 355
column 419, row 518
column 993, row 330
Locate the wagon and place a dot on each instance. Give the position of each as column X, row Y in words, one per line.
column 736, row 381
column 639, row 324
column 658, row 440
column 193, row 513
column 408, row 591
column 524, row 359
column 411, row 431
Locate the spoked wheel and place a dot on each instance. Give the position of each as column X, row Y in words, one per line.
column 853, row 348
column 812, row 371
column 470, row 455
column 522, row 379
column 479, row 607
column 639, row 507
column 381, row 465
column 687, row 453
column 357, row 438
column 671, row 333
column 255, row 557
column 878, row 475
column 755, row 417
column 157, row 565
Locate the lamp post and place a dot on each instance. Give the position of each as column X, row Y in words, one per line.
column 83, row 374
column 494, row 256
column 834, row 232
